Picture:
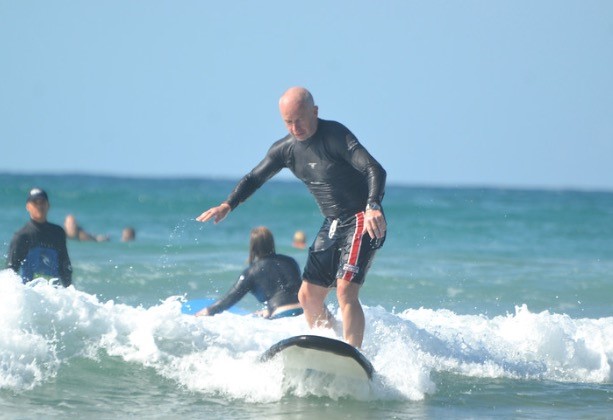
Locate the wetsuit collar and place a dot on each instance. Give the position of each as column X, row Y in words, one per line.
column 38, row 224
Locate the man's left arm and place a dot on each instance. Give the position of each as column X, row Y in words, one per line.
column 363, row 161
column 65, row 266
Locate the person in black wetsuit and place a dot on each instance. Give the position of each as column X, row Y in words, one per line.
column 274, row 280
column 348, row 185
column 39, row 248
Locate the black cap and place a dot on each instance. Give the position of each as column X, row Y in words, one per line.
column 36, row 193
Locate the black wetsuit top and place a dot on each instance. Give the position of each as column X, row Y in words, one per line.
column 340, row 173
column 273, row 280
column 39, row 250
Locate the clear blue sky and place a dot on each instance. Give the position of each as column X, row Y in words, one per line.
column 455, row 93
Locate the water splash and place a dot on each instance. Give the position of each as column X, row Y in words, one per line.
column 44, row 328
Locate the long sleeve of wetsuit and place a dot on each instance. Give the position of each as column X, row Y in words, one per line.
column 363, row 161
column 236, row 293
column 65, row 266
column 266, row 169
column 16, row 254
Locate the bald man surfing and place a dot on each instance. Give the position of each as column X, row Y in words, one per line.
column 348, row 185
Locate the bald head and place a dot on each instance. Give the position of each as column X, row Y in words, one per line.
column 297, row 95
column 299, row 112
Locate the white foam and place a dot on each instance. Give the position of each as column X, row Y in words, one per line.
column 42, row 328
column 520, row 345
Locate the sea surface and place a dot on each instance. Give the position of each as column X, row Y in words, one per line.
column 483, row 303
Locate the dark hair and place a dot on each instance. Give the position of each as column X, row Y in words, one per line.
column 261, row 245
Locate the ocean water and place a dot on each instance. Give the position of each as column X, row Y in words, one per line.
column 483, row 303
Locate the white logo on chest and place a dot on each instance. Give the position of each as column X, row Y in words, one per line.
column 312, row 164
column 46, row 261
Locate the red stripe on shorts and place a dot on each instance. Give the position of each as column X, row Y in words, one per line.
column 356, row 243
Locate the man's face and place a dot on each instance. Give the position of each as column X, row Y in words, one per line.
column 38, row 209
column 300, row 120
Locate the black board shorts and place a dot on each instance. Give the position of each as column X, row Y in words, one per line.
column 341, row 250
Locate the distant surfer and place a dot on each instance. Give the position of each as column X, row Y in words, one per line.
column 348, row 185
column 39, row 248
column 128, row 234
column 75, row 231
column 274, row 280
column 299, row 240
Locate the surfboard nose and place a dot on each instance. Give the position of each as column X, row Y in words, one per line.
column 323, row 354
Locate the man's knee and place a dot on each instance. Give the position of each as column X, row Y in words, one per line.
column 347, row 292
column 311, row 295
column 303, row 295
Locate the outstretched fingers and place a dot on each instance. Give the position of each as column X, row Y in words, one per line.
column 216, row 213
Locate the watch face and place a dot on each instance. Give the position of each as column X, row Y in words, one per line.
column 373, row 207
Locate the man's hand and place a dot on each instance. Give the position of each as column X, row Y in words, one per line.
column 375, row 223
column 216, row 213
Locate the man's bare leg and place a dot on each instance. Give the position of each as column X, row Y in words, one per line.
column 312, row 298
column 351, row 310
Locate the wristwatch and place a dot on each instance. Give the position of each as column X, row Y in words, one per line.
column 373, row 206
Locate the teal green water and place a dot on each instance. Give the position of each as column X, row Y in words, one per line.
column 483, row 302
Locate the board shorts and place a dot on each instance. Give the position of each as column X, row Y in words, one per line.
column 341, row 250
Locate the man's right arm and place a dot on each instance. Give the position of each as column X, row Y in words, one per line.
column 266, row 169
column 217, row 213
column 13, row 260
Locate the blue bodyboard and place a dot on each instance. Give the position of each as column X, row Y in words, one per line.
column 191, row 307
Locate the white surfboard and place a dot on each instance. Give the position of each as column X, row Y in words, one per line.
column 321, row 354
